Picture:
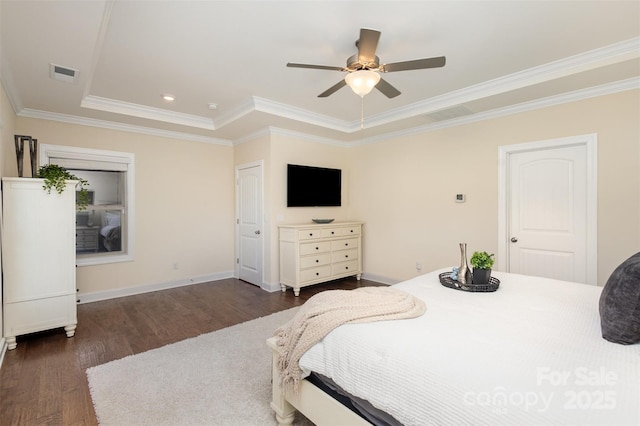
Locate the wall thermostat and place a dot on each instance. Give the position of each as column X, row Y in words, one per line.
column 460, row 198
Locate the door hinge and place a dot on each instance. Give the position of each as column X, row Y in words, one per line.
column 238, row 260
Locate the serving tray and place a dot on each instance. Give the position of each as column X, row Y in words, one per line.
column 445, row 280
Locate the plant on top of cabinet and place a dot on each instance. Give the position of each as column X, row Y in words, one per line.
column 55, row 176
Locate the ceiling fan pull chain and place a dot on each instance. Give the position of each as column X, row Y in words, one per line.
column 362, row 113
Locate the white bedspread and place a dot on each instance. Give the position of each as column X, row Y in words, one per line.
column 530, row 353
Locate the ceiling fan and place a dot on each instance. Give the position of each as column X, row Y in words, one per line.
column 364, row 68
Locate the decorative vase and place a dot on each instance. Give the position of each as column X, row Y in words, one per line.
column 19, row 152
column 481, row 276
column 33, row 156
column 464, row 274
column 33, row 153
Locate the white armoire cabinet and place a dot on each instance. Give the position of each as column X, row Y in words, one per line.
column 38, row 258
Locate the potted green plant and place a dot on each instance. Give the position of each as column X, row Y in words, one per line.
column 482, row 263
column 54, row 178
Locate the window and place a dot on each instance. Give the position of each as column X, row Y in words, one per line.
column 105, row 230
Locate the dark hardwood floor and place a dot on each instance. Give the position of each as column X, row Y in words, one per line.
column 43, row 381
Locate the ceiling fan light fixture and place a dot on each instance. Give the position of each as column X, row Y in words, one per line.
column 362, row 82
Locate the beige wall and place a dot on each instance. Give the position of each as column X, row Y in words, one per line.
column 285, row 150
column 183, row 205
column 404, row 188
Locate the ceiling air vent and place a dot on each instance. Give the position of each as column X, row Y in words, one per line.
column 68, row 75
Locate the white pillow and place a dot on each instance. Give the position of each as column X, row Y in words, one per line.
column 112, row 219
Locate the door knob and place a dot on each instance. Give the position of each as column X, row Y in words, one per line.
column 514, row 239
column 258, row 232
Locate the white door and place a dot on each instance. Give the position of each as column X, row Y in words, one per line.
column 550, row 211
column 249, row 223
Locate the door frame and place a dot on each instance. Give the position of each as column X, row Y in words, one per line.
column 590, row 141
column 259, row 163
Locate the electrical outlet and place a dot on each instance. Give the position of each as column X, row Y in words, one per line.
column 419, row 266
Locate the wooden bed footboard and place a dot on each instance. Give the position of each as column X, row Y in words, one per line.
column 312, row 402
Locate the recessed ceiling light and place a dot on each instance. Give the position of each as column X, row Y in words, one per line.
column 212, row 105
column 168, row 97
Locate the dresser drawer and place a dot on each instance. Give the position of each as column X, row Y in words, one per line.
column 351, row 266
column 344, row 255
column 344, row 244
column 315, row 273
column 331, row 232
column 350, row 231
column 313, row 261
column 319, row 247
column 309, row 234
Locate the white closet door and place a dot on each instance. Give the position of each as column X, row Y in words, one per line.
column 548, row 213
column 250, row 220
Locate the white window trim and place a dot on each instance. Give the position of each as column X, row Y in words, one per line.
column 91, row 156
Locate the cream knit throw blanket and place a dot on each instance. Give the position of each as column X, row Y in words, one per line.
column 327, row 310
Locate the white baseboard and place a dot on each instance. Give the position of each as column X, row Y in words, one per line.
column 380, row 279
column 270, row 287
column 130, row 291
column 3, row 349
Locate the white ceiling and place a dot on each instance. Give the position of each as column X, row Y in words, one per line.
column 502, row 56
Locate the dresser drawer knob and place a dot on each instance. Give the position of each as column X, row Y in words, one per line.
column 346, row 256
column 317, row 260
column 317, row 248
column 317, row 273
column 346, row 244
column 311, row 234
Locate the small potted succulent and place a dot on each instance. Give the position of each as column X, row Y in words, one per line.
column 482, row 263
column 54, row 178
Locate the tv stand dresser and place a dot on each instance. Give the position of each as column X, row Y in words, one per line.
column 316, row 253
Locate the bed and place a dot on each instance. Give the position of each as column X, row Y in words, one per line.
column 110, row 232
column 530, row 353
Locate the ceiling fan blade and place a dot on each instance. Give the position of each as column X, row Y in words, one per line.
column 388, row 90
column 316, row 67
column 367, row 45
column 331, row 90
column 417, row 64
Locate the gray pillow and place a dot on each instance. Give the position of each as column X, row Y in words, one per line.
column 620, row 303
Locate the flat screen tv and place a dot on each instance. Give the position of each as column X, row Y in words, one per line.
column 313, row 186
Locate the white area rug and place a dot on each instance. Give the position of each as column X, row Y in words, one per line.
column 219, row 378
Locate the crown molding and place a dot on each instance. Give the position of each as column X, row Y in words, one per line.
column 618, row 52
column 74, row 119
column 151, row 113
column 235, row 114
column 602, row 90
column 299, row 114
column 615, row 53
column 577, row 95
